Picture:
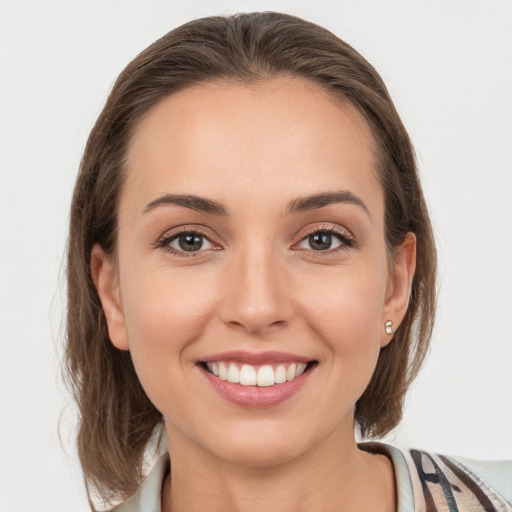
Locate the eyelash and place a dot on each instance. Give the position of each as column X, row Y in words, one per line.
column 346, row 241
column 165, row 241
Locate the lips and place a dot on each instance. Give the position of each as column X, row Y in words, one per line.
column 256, row 380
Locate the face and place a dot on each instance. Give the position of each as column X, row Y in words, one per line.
column 251, row 248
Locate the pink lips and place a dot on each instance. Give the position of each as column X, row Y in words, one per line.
column 255, row 396
column 256, row 358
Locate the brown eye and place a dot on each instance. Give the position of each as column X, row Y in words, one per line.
column 325, row 241
column 189, row 242
column 320, row 241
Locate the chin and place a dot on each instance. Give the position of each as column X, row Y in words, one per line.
column 261, row 444
column 259, row 455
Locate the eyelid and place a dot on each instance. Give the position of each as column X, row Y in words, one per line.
column 176, row 238
column 347, row 238
column 343, row 234
column 164, row 240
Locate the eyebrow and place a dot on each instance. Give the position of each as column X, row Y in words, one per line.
column 197, row 203
column 301, row 204
column 322, row 199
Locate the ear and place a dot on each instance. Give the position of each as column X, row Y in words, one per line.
column 104, row 275
column 399, row 286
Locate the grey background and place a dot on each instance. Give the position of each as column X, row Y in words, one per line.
column 448, row 67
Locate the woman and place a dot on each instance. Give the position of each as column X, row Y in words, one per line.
column 252, row 267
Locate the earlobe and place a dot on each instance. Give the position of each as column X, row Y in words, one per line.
column 399, row 287
column 104, row 275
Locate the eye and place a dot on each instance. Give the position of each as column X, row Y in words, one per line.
column 325, row 241
column 187, row 242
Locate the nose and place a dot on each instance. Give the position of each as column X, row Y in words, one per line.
column 257, row 297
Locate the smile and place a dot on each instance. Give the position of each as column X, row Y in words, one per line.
column 256, row 375
column 256, row 380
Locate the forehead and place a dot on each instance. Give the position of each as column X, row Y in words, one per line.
column 280, row 138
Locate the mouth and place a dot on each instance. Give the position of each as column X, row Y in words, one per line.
column 257, row 380
column 260, row 375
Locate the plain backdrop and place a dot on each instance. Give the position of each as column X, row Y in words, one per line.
column 448, row 65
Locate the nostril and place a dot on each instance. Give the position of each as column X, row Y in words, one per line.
column 238, row 325
column 253, row 326
column 256, row 304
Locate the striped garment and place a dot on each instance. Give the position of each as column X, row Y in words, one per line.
column 425, row 482
column 428, row 482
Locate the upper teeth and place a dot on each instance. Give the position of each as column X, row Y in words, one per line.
column 249, row 375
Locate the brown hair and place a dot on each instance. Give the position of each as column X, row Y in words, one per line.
column 117, row 418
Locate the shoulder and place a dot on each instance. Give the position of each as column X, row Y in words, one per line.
column 440, row 482
column 148, row 497
column 425, row 482
column 471, row 484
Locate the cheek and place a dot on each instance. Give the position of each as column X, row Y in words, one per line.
column 166, row 305
column 350, row 301
column 165, row 313
column 345, row 310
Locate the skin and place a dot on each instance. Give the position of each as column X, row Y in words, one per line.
column 257, row 284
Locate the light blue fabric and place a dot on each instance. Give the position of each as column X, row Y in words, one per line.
column 498, row 474
column 404, row 489
column 148, row 497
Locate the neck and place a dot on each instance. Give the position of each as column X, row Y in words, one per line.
column 333, row 476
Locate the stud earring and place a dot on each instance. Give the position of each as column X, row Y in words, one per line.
column 389, row 327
